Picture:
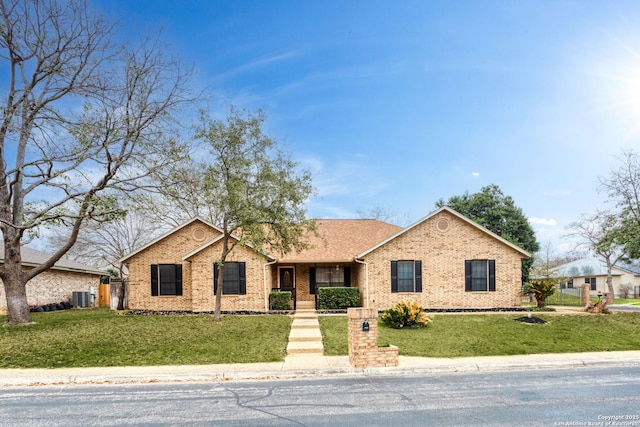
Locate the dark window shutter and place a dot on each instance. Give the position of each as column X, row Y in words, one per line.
column 418, row 275
column 154, row 280
column 347, row 276
column 242, row 285
column 492, row 275
column 178, row 279
column 394, row 276
column 467, row 276
column 312, row 280
column 215, row 278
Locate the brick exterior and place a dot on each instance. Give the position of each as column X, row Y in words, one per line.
column 54, row 286
column 443, row 252
column 442, row 242
column 197, row 273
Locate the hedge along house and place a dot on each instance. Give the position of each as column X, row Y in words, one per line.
column 444, row 260
column 56, row 284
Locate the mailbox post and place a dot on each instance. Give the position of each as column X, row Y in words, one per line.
column 363, row 340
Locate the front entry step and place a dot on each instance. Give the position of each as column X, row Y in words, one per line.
column 305, row 336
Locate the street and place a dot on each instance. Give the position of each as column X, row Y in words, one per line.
column 549, row 397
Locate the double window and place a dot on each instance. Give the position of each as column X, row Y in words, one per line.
column 325, row 277
column 234, row 281
column 480, row 275
column 166, row 279
column 406, row 276
column 591, row 281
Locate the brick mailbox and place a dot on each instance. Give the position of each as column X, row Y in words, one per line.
column 363, row 341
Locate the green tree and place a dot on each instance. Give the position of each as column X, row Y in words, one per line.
column 498, row 213
column 257, row 192
column 81, row 119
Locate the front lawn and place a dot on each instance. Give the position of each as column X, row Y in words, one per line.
column 100, row 337
column 497, row 334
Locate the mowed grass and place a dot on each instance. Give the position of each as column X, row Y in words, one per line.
column 462, row 335
column 100, row 337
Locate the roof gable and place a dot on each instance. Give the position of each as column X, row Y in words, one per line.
column 167, row 234
column 452, row 212
column 217, row 239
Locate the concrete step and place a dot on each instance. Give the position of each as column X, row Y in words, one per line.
column 305, row 335
column 305, row 324
column 296, row 347
column 305, row 315
column 306, row 304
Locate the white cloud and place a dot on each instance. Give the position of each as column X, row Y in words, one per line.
column 543, row 221
column 475, row 173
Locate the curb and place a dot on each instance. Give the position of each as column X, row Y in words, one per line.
column 31, row 378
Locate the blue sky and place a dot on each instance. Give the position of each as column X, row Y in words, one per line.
column 398, row 104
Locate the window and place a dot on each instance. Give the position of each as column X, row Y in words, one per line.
column 234, row 281
column 590, row 281
column 406, row 276
column 570, row 283
column 166, row 279
column 324, row 277
column 480, row 275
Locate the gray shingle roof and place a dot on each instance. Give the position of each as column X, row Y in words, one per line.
column 32, row 257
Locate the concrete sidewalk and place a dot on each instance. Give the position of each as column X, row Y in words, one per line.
column 306, row 366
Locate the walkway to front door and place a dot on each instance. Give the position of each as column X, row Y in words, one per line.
column 305, row 336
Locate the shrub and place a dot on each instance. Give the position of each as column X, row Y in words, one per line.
column 406, row 314
column 541, row 289
column 626, row 289
column 280, row 300
column 338, row 298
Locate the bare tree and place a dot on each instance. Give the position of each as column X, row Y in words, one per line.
column 81, row 120
column 623, row 186
column 601, row 234
column 384, row 214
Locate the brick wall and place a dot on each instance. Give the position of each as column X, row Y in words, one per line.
column 256, row 298
column 363, row 345
column 54, row 286
column 443, row 243
column 169, row 250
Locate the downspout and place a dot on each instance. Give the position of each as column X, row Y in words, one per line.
column 264, row 279
column 366, row 281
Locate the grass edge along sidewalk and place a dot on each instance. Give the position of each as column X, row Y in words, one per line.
column 100, row 337
column 472, row 335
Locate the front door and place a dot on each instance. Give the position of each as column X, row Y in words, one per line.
column 287, row 279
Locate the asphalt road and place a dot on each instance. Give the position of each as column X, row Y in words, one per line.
column 553, row 397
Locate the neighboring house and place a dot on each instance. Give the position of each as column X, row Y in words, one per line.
column 444, row 260
column 593, row 272
column 56, row 284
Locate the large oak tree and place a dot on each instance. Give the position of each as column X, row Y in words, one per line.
column 81, row 119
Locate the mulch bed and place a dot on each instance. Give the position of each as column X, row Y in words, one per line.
column 533, row 320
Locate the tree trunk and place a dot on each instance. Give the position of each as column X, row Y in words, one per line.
column 14, row 288
column 218, row 307
column 121, row 293
column 541, row 300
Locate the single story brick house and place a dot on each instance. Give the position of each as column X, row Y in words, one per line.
column 56, row 284
column 593, row 271
column 444, row 260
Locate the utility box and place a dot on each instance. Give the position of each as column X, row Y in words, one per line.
column 81, row 299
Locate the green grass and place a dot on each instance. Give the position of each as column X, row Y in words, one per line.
column 497, row 334
column 100, row 337
column 633, row 301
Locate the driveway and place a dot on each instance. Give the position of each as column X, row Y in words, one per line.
column 624, row 307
